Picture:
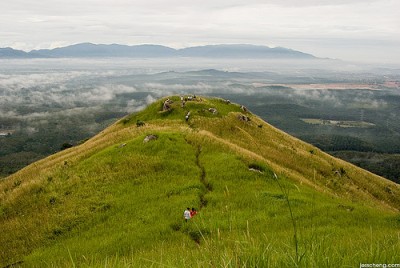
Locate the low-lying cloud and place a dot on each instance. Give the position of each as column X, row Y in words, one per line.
column 30, row 96
column 134, row 105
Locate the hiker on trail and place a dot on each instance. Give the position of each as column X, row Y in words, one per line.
column 186, row 214
column 167, row 104
column 193, row 212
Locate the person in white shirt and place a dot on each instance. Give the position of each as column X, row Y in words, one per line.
column 186, row 214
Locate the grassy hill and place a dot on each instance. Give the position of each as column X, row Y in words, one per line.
column 264, row 198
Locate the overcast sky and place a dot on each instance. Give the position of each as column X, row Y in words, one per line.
column 354, row 30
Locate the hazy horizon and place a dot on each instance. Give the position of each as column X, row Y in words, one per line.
column 355, row 30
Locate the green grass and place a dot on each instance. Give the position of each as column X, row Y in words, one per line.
column 118, row 202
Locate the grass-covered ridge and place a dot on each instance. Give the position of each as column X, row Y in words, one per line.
column 118, row 201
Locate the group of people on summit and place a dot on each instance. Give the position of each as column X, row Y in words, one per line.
column 189, row 213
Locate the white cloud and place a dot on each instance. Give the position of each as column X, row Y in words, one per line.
column 134, row 105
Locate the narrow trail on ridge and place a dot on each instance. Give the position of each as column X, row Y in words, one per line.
column 203, row 180
column 203, row 176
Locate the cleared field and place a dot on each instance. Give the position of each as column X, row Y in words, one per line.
column 337, row 123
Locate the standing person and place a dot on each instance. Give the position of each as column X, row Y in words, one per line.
column 186, row 214
column 193, row 212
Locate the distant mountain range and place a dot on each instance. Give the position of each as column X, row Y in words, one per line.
column 89, row 50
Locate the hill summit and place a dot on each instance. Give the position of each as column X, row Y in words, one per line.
column 264, row 198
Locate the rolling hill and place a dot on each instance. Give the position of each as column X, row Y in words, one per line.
column 10, row 53
column 265, row 198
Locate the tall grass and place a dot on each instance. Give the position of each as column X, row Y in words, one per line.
column 285, row 192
